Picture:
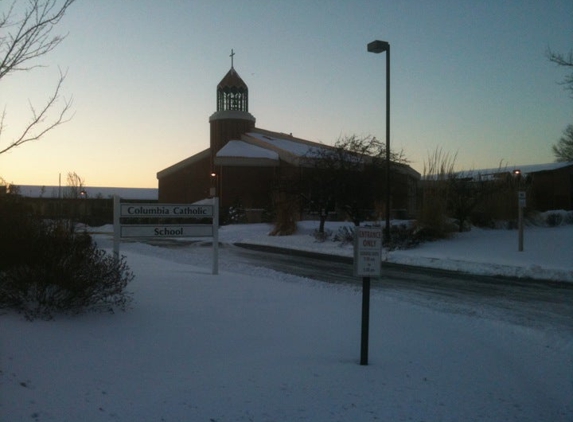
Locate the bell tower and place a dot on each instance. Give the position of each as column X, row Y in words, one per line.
column 232, row 117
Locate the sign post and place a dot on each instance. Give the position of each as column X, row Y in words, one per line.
column 521, row 203
column 365, row 326
column 367, row 263
column 215, row 235
column 116, row 227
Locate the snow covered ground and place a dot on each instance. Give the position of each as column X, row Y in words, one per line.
column 547, row 254
column 263, row 346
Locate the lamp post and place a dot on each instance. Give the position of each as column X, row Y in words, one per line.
column 216, row 202
column 520, row 206
column 380, row 47
column 84, row 195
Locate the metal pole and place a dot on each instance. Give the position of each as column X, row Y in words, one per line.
column 520, row 205
column 520, row 226
column 387, row 228
column 365, row 320
column 215, row 235
column 116, row 226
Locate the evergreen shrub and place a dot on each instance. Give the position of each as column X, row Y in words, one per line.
column 345, row 235
column 554, row 219
column 49, row 267
column 321, row 237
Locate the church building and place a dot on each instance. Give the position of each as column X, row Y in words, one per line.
column 244, row 163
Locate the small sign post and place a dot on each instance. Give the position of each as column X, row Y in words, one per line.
column 367, row 263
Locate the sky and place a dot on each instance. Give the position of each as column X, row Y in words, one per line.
column 471, row 78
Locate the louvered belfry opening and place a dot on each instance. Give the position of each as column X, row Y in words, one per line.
column 232, row 93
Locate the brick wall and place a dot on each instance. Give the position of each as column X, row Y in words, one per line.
column 188, row 184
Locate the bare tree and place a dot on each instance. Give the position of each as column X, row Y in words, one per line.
column 563, row 150
column 566, row 61
column 455, row 194
column 433, row 214
column 75, row 186
column 471, row 190
column 26, row 35
column 349, row 175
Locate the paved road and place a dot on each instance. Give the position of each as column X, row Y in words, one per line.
column 541, row 305
column 545, row 305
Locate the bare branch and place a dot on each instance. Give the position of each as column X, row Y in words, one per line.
column 29, row 37
column 75, row 186
column 560, row 59
column 25, row 35
column 37, row 127
column 563, row 149
column 566, row 61
column 2, row 120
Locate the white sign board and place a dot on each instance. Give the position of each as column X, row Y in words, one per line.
column 367, row 251
column 134, row 210
column 151, row 230
column 166, row 210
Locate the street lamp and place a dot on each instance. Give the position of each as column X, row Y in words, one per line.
column 217, row 185
column 213, row 189
column 380, row 47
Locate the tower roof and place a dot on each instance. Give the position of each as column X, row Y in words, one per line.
column 232, row 92
column 232, row 80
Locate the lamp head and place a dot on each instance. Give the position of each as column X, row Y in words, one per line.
column 378, row 46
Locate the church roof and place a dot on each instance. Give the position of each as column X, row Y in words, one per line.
column 244, row 154
column 263, row 147
column 243, row 149
column 186, row 163
column 232, row 80
column 256, row 144
column 286, row 143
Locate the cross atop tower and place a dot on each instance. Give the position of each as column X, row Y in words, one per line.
column 232, row 56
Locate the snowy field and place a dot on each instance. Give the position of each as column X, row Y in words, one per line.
column 254, row 345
